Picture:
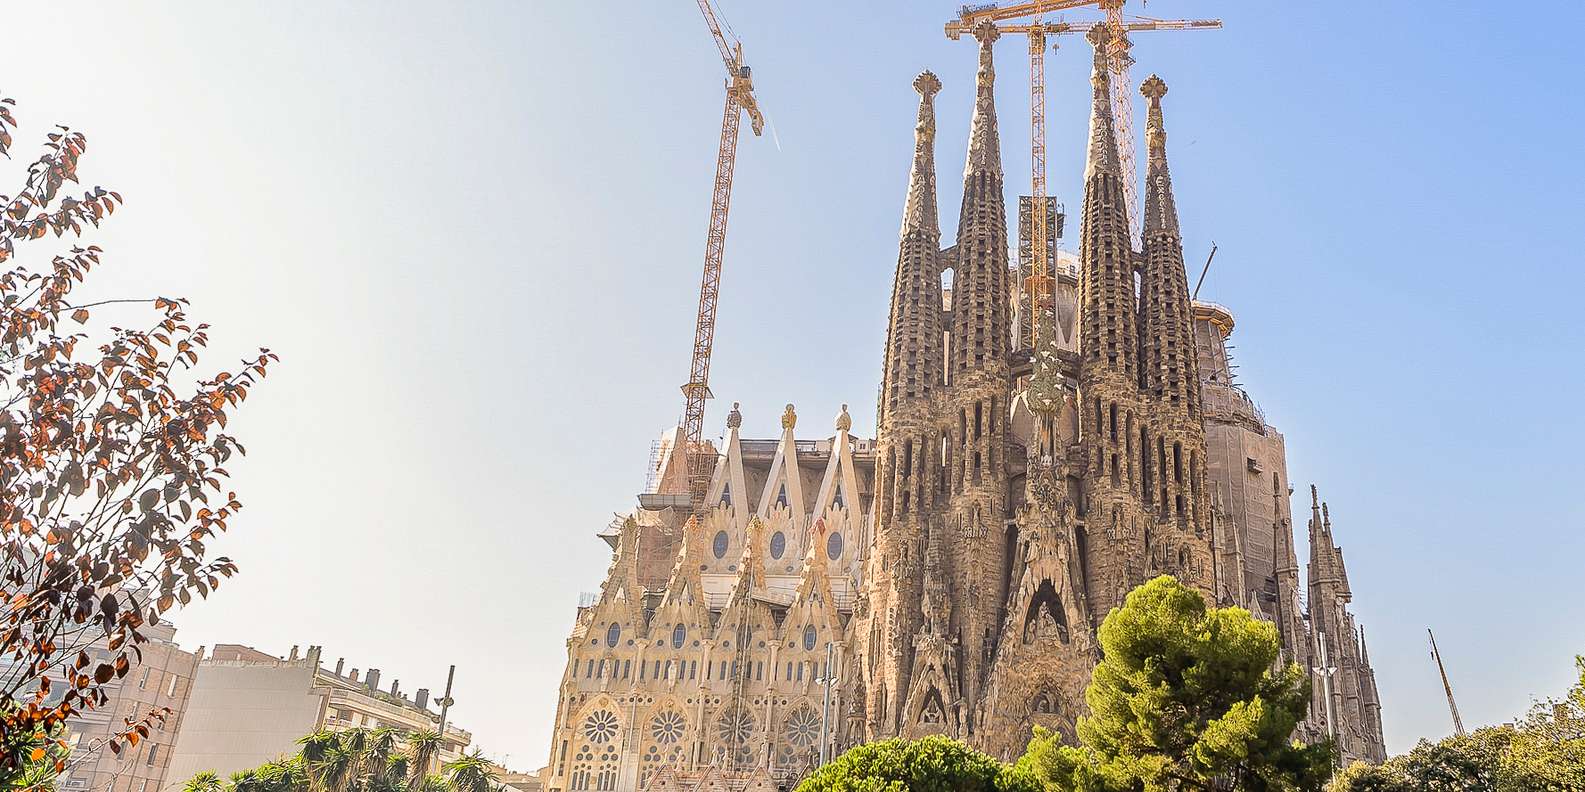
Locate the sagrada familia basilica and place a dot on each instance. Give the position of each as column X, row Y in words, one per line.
column 949, row 576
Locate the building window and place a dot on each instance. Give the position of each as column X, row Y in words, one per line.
column 719, row 545
column 726, row 494
column 778, row 544
column 170, row 689
column 809, row 637
column 678, row 635
column 613, row 634
column 154, row 752
column 144, row 682
column 834, row 545
column 781, row 496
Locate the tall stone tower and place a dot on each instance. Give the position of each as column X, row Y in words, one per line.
column 1181, row 544
column 978, row 396
column 1111, row 418
column 906, row 473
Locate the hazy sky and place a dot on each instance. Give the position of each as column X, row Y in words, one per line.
column 473, row 232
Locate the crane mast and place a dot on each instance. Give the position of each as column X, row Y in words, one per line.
column 1040, row 285
column 1458, row 722
column 739, row 100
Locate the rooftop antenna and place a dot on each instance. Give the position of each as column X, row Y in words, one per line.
column 1458, row 722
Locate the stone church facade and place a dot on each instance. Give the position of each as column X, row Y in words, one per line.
column 949, row 576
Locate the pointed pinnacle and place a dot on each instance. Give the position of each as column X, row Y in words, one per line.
column 984, row 146
column 1102, row 155
column 919, row 207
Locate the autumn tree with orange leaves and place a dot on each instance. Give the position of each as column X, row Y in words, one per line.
column 112, row 455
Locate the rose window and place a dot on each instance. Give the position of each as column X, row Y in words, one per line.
column 803, row 728
column 667, row 727
column 600, row 727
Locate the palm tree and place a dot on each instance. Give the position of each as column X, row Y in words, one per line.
column 286, row 775
column 422, row 746
column 471, row 773
column 206, row 781
column 317, row 748
column 378, row 748
column 335, row 771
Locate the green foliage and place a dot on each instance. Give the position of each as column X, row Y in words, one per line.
column 37, row 754
column 359, row 760
column 1186, row 699
column 471, row 773
column 1542, row 752
column 930, row 764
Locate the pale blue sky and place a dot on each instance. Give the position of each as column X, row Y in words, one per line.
column 473, row 232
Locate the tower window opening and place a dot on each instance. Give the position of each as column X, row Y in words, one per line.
column 1177, row 462
column 1146, row 478
column 979, row 419
column 1114, row 421
column 1117, row 478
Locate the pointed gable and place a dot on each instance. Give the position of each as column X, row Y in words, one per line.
column 783, row 486
column 840, row 485
column 728, row 487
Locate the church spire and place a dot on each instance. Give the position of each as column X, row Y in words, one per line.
column 913, row 364
column 981, row 335
column 985, row 149
column 1102, row 156
column 1161, row 212
column 1170, row 364
column 1109, row 330
column 919, row 211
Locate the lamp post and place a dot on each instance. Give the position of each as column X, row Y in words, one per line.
column 826, row 680
column 1326, row 670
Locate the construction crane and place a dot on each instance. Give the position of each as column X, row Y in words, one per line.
column 1040, row 281
column 739, row 100
column 1458, row 722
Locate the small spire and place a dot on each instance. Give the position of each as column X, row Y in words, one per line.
column 1103, row 137
column 985, row 152
column 919, row 211
column 1161, row 210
